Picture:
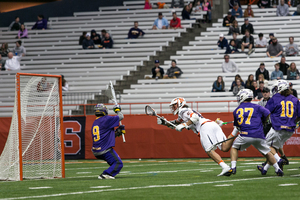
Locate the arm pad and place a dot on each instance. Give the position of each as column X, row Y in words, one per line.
column 121, row 116
column 194, row 118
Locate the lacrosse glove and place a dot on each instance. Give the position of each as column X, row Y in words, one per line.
column 117, row 108
column 120, row 130
column 161, row 121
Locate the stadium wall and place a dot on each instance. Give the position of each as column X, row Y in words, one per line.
column 146, row 139
column 55, row 9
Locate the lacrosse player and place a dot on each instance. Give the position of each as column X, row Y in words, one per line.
column 249, row 118
column 285, row 112
column 103, row 135
column 210, row 133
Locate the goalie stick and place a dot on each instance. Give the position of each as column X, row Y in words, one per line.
column 150, row 111
column 110, row 92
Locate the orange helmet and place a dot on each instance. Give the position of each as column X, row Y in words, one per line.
column 180, row 102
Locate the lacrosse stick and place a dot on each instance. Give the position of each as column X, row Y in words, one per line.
column 224, row 123
column 214, row 145
column 152, row 112
column 110, row 92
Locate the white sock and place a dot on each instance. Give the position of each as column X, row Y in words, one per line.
column 223, row 164
column 276, row 167
column 267, row 166
column 276, row 156
column 233, row 164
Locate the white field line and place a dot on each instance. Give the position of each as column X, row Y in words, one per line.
column 249, row 170
column 37, row 188
column 83, row 172
column 133, row 188
column 288, row 184
column 223, row 185
column 97, row 187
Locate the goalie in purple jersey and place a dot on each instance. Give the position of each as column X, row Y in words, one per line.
column 285, row 111
column 103, row 135
column 249, row 119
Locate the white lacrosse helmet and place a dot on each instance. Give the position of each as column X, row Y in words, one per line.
column 180, row 102
column 244, row 94
column 282, row 85
column 275, row 88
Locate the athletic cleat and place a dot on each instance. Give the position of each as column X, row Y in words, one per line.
column 105, row 176
column 285, row 160
column 226, row 171
column 279, row 172
column 261, row 169
column 280, row 164
column 264, row 163
column 233, row 170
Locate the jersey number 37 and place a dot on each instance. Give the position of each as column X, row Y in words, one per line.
column 240, row 112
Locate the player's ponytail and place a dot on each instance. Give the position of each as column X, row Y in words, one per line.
column 286, row 92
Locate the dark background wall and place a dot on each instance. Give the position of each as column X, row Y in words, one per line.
column 56, row 9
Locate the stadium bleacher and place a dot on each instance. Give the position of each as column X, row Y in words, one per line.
column 56, row 51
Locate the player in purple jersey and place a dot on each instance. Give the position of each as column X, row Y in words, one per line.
column 285, row 111
column 103, row 135
column 249, row 119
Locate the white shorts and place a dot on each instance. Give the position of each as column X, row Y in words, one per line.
column 277, row 139
column 242, row 143
column 210, row 134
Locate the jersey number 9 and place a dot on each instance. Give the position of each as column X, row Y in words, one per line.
column 240, row 112
column 96, row 133
column 287, row 109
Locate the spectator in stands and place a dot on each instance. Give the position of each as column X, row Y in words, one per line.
column 248, row 42
column 232, row 2
column 248, row 11
column 274, row 49
column 227, row 21
column 238, row 87
column 157, row 71
column 175, row 22
column 262, row 70
column 43, row 85
column 185, row 14
column 173, row 71
column 103, row 33
column 177, row 4
column 4, row 50
column 261, row 78
column 238, row 42
column 190, row 5
column 65, row 85
column 249, row 81
column 254, row 88
column 160, row 22
column 234, row 28
column 292, row 72
column 82, row 37
column 237, row 76
column 87, row 43
column 264, row 3
column 2, row 63
column 13, row 62
column 147, row 5
column 222, row 42
column 246, row 26
column 229, row 66
column 107, row 43
column 15, row 25
column 271, row 36
column 161, row 5
column 198, row 7
column 293, row 90
column 297, row 12
column 259, row 91
column 23, row 33
column 282, row 9
column 19, row 49
column 135, row 32
column 231, row 48
column 41, row 23
column 237, row 11
column 277, row 74
column 291, row 49
column 261, row 41
column 218, row 85
column 283, row 66
column 207, row 7
column 95, row 37
column 266, row 97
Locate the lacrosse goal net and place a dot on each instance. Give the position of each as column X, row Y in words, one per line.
column 34, row 147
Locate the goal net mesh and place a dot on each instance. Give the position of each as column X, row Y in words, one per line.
column 40, row 131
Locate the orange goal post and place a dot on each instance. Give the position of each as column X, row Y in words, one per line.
column 35, row 144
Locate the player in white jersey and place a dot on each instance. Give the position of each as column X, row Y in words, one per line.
column 210, row 132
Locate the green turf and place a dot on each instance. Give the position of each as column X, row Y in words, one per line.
column 167, row 178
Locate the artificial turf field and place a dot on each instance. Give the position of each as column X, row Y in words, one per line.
column 161, row 179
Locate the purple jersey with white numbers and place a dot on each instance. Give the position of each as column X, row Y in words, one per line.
column 103, row 132
column 284, row 111
column 249, row 118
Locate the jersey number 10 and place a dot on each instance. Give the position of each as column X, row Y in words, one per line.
column 240, row 113
column 287, row 109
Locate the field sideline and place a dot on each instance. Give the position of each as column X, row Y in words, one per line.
column 161, row 179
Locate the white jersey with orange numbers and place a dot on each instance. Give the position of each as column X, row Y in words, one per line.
column 184, row 116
